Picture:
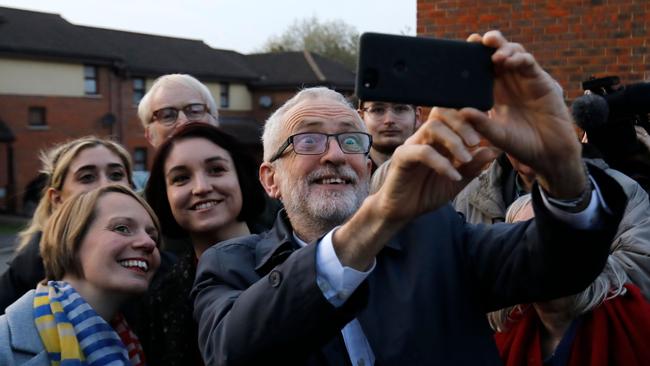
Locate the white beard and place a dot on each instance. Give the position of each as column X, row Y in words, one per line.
column 322, row 211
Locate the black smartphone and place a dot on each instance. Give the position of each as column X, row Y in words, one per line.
column 424, row 71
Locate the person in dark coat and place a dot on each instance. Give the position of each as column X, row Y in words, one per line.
column 397, row 277
column 204, row 188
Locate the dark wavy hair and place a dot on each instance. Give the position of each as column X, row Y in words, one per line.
column 253, row 196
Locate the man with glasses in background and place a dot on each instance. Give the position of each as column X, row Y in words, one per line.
column 397, row 277
column 390, row 124
column 172, row 101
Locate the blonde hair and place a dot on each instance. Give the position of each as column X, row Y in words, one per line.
column 56, row 163
column 516, row 208
column 145, row 112
column 66, row 229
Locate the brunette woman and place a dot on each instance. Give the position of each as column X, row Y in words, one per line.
column 204, row 188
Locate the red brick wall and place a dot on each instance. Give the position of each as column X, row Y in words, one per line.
column 131, row 132
column 572, row 39
column 4, row 180
column 67, row 118
column 73, row 117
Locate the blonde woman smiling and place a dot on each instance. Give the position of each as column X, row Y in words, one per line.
column 99, row 249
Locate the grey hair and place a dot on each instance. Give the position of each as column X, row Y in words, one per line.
column 272, row 137
column 145, row 112
column 607, row 285
column 517, row 206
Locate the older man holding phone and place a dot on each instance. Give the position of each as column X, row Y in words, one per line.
column 397, row 277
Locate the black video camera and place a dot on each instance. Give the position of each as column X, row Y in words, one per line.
column 630, row 102
column 609, row 115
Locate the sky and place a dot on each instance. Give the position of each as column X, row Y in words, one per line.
column 240, row 25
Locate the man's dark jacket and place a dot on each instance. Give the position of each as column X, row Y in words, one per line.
column 257, row 301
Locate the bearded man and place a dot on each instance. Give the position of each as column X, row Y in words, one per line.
column 398, row 277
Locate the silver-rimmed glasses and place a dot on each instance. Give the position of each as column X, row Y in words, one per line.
column 168, row 115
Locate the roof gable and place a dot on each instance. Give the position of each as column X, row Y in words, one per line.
column 49, row 35
column 299, row 67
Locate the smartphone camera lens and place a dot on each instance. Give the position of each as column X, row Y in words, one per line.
column 400, row 67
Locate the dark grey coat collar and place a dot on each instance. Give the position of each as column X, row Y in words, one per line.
column 278, row 243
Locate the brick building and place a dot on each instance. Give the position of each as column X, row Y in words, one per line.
column 60, row 81
column 572, row 39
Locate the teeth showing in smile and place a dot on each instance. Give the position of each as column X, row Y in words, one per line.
column 333, row 181
column 134, row 263
column 204, row 205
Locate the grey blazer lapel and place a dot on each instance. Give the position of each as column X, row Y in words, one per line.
column 38, row 360
column 23, row 333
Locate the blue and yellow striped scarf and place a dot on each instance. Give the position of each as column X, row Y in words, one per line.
column 72, row 332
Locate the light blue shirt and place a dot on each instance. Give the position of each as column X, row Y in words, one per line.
column 337, row 284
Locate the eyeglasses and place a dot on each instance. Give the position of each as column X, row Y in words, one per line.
column 315, row 143
column 168, row 115
column 379, row 110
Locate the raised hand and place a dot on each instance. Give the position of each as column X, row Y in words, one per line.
column 530, row 120
column 433, row 165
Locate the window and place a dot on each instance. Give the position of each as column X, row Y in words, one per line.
column 224, row 93
column 138, row 90
column 36, row 117
column 90, row 80
column 140, row 159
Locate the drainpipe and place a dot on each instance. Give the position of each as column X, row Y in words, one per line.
column 11, row 180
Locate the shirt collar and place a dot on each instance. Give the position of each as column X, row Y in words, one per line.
column 299, row 241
